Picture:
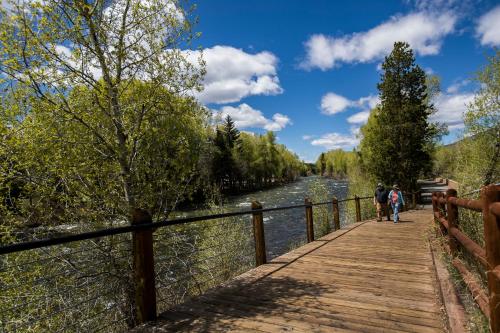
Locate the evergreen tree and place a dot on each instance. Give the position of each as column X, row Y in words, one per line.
column 322, row 164
column 398, row 138
column 231, row 133
column 218, row 160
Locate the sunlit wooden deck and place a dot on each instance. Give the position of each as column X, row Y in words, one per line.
column 369, row 277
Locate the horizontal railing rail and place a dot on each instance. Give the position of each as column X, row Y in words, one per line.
column 445, row 210
column 23, row 246
column 137, row 246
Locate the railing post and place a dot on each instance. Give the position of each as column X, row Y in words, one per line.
column 358, row 208
column 452, row 212
column 309, row 220
column 336, row 213
column 434, row 208
column 143, row 266
column 489, row 195
column 437, row 212
column 442, row 206
column 434, row 205
column 258, row 234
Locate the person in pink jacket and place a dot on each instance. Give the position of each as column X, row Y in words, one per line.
column 396, row 200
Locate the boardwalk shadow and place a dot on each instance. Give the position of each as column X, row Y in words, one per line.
column 225, row 308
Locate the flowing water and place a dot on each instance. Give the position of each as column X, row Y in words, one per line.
column 285, row 229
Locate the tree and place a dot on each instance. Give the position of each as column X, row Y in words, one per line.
column 322, row 164
column 228, row 144
column 80, row 63
column 231, row 133
column 398, row 139
column 482, row 119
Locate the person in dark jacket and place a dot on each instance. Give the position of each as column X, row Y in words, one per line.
column 380, row 202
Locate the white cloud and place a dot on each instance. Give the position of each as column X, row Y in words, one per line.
column 308, row 137
column 332, row 103
column 355, row 130
column 359, row 118
column 488, row 27
column 336, row 140
column 428, row 71
column 279, row 122
column 455, row 87
column 450, row 109
column 233, row 74
column 437, row 5
column 245, row 116
column 370, row 101
column 422, row 30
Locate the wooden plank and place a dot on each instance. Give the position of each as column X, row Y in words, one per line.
column 410, row 269
column 374, row 272
column 318, row 317
column 382, row 282
column 261, row 320
column 321, row 305
column 377, row 289
column 366, row 318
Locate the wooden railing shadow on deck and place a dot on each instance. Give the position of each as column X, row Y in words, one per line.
column 221, row 308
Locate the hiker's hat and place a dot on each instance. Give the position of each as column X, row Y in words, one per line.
column 379, row 185
column 395, row 186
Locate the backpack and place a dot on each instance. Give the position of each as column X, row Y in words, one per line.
column 394, row 198
column 381, row 195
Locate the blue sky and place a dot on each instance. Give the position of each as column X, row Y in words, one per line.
column 308, row 69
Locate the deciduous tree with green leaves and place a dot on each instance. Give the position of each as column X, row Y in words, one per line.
column 102, row 83
column 482, row 120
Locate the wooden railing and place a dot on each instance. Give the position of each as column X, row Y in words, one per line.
column 445, row 208
column 143, row 230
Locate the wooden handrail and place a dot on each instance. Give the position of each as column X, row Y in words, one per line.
column 143, row 293
column 445, row 211
column 478, row 293
column 475, row 205
column 477, row 251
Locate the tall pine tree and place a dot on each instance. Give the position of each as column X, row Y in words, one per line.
column 398, row 138
column 227, row 141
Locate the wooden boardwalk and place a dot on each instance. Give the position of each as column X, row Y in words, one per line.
column 369, row 277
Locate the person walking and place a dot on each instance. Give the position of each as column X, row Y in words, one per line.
column 380, row 202
column 396, row 200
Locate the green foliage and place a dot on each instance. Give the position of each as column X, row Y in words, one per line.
column 99, row 101
column 318, row 192
column 345, row 165
column 362, row 186
column 444, row 161
column 482, row 120
column 397, row 140
column 474, row 160
column 336, row 163
column 247, row 161
column 65, row 173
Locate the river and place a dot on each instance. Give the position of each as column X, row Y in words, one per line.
column 286, row 229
